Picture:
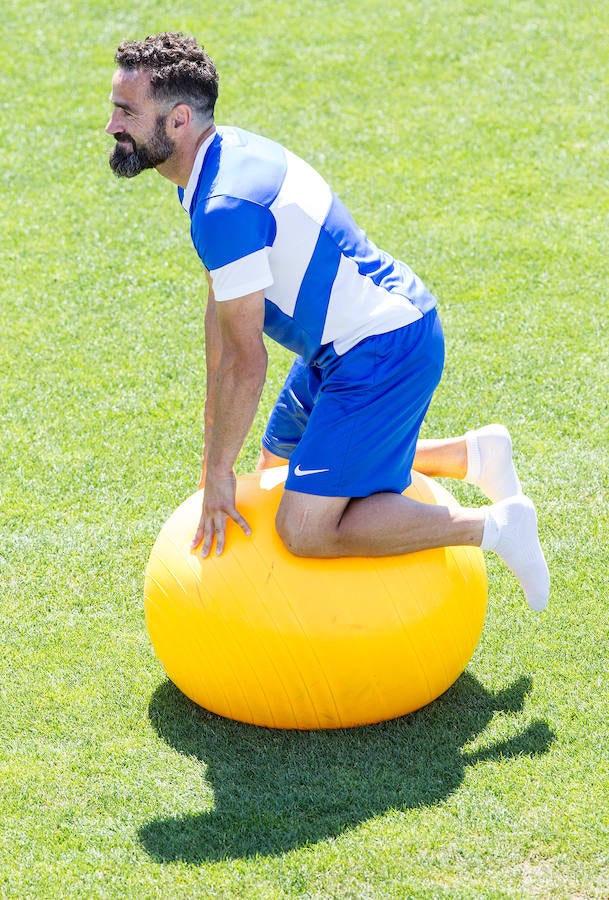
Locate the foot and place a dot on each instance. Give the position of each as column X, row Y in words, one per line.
column 489, row 462
column 511, row 531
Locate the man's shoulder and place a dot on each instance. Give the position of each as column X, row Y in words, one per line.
column 241, row 166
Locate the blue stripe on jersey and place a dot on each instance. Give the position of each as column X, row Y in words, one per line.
column 282, row 328
column 316, row 286
column 353, row 242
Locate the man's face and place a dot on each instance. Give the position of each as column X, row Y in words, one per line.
column 137, row 125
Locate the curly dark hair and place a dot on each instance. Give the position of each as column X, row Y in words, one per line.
column 180, row 70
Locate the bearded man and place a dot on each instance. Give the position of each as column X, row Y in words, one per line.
column 283, row 256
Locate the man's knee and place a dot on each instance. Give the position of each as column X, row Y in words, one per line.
column 304, row 532
column 293, row 534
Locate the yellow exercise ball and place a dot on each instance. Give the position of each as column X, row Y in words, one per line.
column 265, row 637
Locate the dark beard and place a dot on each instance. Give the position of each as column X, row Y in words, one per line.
column 129, row 163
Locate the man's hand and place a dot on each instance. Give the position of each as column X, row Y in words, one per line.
column 218, row 505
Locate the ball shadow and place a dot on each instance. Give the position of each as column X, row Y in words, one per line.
column 275, row 790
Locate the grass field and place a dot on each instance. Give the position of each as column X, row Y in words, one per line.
column 471, row 139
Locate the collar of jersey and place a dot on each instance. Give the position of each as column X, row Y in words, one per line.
column 196, row 171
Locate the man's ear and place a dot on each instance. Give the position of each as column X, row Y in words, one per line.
column 179, row 117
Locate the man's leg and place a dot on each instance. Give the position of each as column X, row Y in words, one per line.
column 387, row 524
column 268, row 460
column 482, row 457
column 390, row 524
column 384, row 524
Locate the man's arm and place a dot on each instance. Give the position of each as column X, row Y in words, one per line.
column 213, row 351
column 237, row 367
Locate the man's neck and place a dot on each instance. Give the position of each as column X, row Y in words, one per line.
column 179, row 165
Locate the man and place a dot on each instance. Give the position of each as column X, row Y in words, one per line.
column 283, row 256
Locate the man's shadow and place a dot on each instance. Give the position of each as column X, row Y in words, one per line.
column 275, row 790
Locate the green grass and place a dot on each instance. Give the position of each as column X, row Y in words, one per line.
column 471, row 139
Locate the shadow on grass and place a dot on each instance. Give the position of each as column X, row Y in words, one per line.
column 276, row 790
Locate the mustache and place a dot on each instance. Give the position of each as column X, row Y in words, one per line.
column 123, row 136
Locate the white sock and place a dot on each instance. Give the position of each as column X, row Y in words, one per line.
column 510, row 529
column 489, row 462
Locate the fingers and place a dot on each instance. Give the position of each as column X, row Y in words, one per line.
column 205, row 533
column 238, row 518
column 198, row 535
column 214, row 526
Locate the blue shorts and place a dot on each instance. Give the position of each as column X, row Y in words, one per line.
column 349, row 424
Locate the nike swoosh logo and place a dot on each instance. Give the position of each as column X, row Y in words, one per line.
column 298, row 471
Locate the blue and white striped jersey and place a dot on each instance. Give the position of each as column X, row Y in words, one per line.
column 263, row 219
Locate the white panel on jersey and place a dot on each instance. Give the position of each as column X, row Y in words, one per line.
column 304, row 186
column 244, row 276
column 300, row 209
column 358, row 308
